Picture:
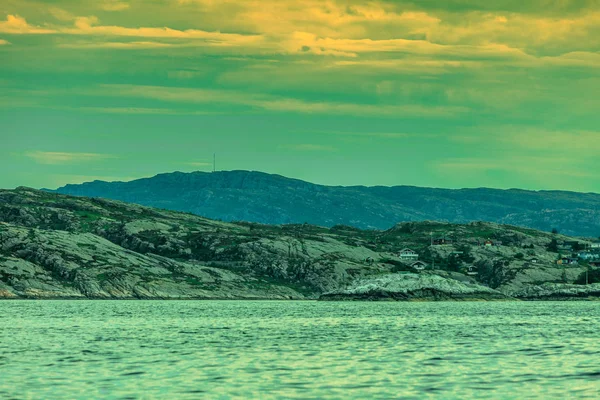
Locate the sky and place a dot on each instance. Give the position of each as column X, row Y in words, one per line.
column 453, row 93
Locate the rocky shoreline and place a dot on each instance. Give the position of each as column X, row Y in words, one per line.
column 414, row 287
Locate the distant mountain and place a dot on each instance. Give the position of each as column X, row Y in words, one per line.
column 274, row 199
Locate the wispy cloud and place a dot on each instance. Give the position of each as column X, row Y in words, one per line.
column 4, row 42
column 53, row 158
column 309, row 147
column 121, row 45
column 277, row 103
column 199, row 164
column 538, row 167
column 114, row 5
column 15, row 24
column 369, row 134
column 532, row 139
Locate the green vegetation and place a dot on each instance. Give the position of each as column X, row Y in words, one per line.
column 591, row 276
column 553, row 246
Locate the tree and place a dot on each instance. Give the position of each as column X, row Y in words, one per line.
column 452, row 263
column 554, row 231
column 593, row 276
column 553, row 246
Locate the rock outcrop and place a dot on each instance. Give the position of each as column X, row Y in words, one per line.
column 560, row 291
column 414, row 287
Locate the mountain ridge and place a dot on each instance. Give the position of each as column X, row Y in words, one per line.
column 275, row 199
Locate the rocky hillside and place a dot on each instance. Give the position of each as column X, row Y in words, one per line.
column 273, row 199
column 58, row 246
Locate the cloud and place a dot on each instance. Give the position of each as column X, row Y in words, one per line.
column 17, row 25
column 114, row 5
column 53, row 158
column 536, row 167
column 384, row 135
column 199, row 164
column 274, row 103
column 120, row 45
column 89, row 26
column 4, row 42
column 309, row 147
column 61, row 15
column 532, row 139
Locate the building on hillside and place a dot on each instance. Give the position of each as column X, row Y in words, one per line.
column 471, row 270
column 439, row 241
column 408, row 255
column 419, row 265
column 534, row 260
column 490, row 243
column 565, row 248
column 567, row 261
column 586, row 255
column 595, row 246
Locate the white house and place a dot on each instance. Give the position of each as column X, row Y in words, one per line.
column 472, row 270
column 419, row 265
column 408, row 255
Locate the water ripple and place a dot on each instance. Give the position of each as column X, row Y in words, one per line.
column 187, row 349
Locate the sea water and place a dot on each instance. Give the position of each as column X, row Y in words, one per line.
column 298, row 349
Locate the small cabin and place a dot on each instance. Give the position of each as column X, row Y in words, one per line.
column 419, row 265
column 471, row 270
column 408, row 255
column 567, row 261
column 441, row 241
column 490, row 243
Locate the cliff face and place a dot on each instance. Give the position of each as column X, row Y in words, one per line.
column 273, row 199
column 57, row 246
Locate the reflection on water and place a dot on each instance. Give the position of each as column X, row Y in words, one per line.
column 231, row 349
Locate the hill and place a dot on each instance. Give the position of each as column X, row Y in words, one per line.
column 273, row 199
column 58, row 246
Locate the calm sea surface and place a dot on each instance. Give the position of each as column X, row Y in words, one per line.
column 309, row 350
